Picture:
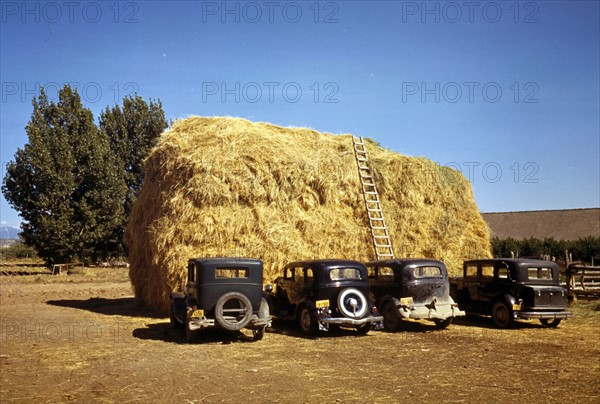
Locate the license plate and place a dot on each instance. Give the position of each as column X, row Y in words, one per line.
column 406, row 301
column 322, row 303
column 198, row 313
column 516, row 307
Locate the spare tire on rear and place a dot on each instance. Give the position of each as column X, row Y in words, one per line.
column 233, row 311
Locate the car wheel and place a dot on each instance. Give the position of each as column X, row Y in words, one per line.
column 190, row 335
column 441, row 324
column 391, row 321
column 259, row 333
column 502, row 315
column 547, row 323
column 363, row 329
column 352, row 303
column 307, row 321
column 233, row 311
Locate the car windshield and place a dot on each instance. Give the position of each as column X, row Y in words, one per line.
column 427, row 272
column 337, row 274
column 539, row 273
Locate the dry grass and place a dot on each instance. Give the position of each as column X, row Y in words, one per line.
column 229, row 187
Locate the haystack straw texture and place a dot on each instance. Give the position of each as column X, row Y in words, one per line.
column 230, row 187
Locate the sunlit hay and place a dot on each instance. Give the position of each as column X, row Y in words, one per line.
column 230, row 187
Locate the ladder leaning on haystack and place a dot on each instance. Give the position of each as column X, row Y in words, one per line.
column 381, row 238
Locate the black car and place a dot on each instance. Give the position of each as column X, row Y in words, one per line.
column 412, row 288
column 222, row 292
column 509, row 289
column 321, row 293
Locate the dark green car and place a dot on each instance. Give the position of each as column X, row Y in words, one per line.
column 512, row 288
column 222, row 292
column 323, row 293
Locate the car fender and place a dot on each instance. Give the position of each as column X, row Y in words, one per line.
column 508, row 299
column 387, row 298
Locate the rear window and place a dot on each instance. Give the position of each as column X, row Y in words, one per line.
column 344, row 273
column 427, row 272
column 539, row 273
column 231, row 273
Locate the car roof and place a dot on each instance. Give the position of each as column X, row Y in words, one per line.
column 517, row 261
column 324, row 263
column 403, row 261
column 237, row 261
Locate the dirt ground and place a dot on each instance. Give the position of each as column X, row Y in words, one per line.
column 81, row 338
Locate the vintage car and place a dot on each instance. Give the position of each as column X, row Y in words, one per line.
column 323, row 293
column 512, row 288
column 412, row 288
column 222, row 292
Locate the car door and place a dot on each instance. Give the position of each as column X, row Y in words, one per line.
column 471, row 282
column 486, row 288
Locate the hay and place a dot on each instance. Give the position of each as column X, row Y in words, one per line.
column 230, row 187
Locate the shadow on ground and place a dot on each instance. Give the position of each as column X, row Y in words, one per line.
column 164, row 331
column 125, row 306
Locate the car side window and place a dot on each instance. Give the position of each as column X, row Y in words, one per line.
column 289, row 273
column 298, row 275
column 372, row 272
column 386, row 274
column 487, row 271
column 308, row 275
column 503, row 273
column 471, row 271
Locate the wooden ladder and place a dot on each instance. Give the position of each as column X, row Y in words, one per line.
column 381, row 238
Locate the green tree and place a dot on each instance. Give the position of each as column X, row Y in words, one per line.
column 133, row 131
column 65, row 182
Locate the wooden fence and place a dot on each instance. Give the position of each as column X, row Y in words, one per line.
column 583, row 282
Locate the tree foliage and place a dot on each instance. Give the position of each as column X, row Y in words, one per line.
column 583, row 249
column 66, row 183
column 133, row 131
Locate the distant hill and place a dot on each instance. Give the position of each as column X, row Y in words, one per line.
column 9, row 232
column 569, row 224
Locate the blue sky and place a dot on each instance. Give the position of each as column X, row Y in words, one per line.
column 509, row 92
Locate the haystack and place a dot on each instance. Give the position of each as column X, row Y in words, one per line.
column 230, row 187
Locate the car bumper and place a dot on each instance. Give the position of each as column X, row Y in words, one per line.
column 198, row 323
column 543, row 314
column 350, row 321
column 441, row 312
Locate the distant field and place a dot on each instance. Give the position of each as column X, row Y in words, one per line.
column 570, row 224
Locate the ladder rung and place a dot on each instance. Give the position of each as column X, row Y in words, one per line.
column 374, row 210
column 383, row 246
column 362, row 159
column 386, row 236
column 371, row 192
column 380, row 219
column 385, row 255
column 379, row 228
